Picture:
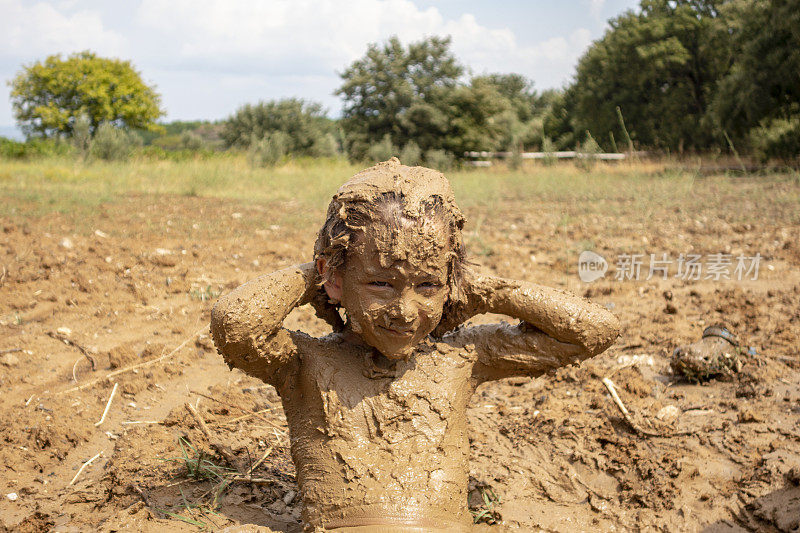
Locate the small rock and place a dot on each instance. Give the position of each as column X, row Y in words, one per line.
column 63, row 330
column 101, row 234
column 667, row 413
column 597, row 504
column 747, row 415
column 236, row 215
column 289, row 497
column 12, row 496
column 9, row 359
column 670, row 309
column 66, row 242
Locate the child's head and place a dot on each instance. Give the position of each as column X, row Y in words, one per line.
column 391, row 254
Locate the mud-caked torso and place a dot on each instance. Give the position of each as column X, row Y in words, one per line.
column 377, row 441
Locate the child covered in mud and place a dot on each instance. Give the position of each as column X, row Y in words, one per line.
column 377, row 409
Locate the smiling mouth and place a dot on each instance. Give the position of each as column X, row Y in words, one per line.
column 398, row 332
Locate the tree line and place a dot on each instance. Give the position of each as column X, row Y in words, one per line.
column 673, row 75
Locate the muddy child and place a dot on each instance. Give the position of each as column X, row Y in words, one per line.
column 377, row 409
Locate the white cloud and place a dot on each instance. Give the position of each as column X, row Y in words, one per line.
column 209, row 56
column 596, row 6
column 319, row 37
column 30, row 30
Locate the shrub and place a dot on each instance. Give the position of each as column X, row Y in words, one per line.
column 32, row 148
column 777, row 139
column 382, row 151
column 411, row 154
column 587, row 152
column 325, row 146
column 303, row 126
column 268, row 150
column 82, row 134
column 440, row 160
column 548, row 147
column 112, row 143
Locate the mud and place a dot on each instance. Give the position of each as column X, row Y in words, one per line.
column 377, row 413
column 549, row 453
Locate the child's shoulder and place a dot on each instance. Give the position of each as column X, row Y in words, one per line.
column 329, row 345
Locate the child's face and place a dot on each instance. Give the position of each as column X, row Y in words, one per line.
column 394, row 285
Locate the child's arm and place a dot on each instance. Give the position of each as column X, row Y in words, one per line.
column 557, row 327
column 246, row 323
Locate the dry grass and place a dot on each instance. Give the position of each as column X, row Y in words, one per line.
column 297, row 190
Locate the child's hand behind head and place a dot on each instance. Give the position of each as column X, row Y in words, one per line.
column 391, row 254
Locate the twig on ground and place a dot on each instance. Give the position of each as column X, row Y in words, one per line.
column 74, row 368
column 237, row 419
column 627, row 416
column 263, row 458
column 220, row 401
column 212, row 439
column 143, row 495
column 69, row 342
column 83, row 466
column 253, row 480
column 134, row 367
column 108, row 405
column 130, row 422
column 28, row 401
column 10, row 350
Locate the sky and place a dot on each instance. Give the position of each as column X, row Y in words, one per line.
column 209, row 57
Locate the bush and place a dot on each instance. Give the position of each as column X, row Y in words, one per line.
column 777, row 139
column 303, row 126
column 549, row 147
column 382, row 151
column 325, row 146
column 515, row 159
column 191, row 141
column 268, row 150
column 82, row 134
column 112, row 143
column 11, row 149
column 411, row 154
column 440, row 160
column 587, row 152
column 32, row 148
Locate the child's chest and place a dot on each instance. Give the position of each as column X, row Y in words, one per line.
column 419, row 403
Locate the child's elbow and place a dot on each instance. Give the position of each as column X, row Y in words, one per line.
column 218, row 323
column 603, row 334
column 223, row 324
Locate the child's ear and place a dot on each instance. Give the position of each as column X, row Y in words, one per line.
column 333, row 280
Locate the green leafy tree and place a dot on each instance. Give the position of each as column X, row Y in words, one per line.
column 396, row 91
column 479, row 118
column 303, row 126
column 661, row 66
column 48, row 96
column 759, row 100
column 415, row 94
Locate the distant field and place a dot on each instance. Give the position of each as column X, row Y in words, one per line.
column 300, row 188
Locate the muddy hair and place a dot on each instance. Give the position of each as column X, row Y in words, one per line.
column 346, row 219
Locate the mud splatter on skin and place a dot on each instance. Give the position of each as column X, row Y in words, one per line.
column 377, row 410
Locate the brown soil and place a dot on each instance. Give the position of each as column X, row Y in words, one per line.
column 554, row 451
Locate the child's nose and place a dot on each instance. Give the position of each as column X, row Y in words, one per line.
column 404, row 308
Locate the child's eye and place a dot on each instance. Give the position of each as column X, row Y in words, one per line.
column 379, row 284
column 429, row 285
